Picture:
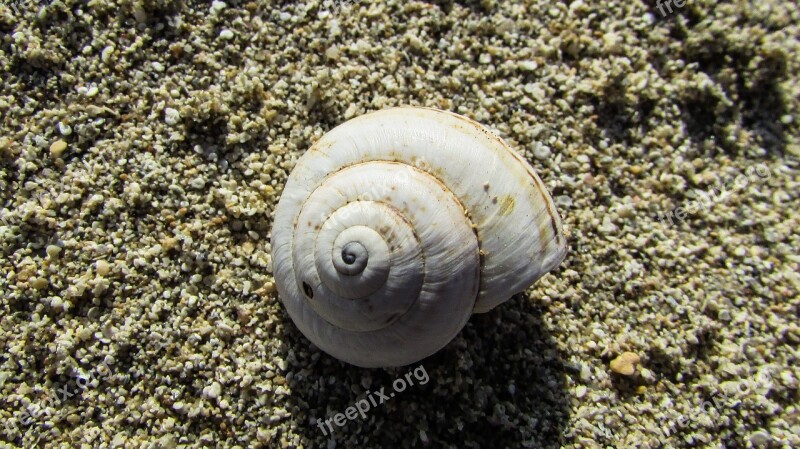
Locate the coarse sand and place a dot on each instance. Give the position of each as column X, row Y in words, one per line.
column 144, row 145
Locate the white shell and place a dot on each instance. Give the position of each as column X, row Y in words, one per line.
column 397, row 225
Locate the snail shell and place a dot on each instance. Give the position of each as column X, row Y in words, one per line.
column 397, row 225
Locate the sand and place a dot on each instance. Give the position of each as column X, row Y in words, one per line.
column 144, row 145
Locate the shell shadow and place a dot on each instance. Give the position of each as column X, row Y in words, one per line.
column 500, row 383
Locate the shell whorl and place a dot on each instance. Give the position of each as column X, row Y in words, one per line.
column 397, row 225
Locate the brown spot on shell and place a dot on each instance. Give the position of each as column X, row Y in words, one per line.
column 507, row 204
column 540, row 188
column 515, row 155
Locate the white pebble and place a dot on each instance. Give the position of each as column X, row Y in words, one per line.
column 226, row 34
column 760, row 438
column 64, row 129
column 119, row 440
column 213, row 391
column 102, row 267
column 171, row 116
column 608, row 227
column 107, row 52
column 217, row 7
column 423, row 437
column 541, row 151
column 563, row 201
column 529, row 66
column 586, row 373
column 56, row 303
column 52, row 251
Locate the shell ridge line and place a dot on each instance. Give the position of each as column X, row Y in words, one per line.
column 438, row 181
column 450, row 171
column 554, row 235
column 547, row 201
column 467, row 214
column 489, row 134
column 424, row 274
column 495, row 139
column 536, row 181
column 422, row 258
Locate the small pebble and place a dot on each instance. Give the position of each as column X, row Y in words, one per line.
column 53, row 252
column 528, row 66
column 102, row 268
column 39, row 283
column 171, row 116
column 625, row 363
column 213, row 391
column 760, row 438
column 57, row 303
column 64, row 129
column 217, row 6
column 57, row 148
column 541, row 152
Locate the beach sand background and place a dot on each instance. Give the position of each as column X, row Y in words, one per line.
column 144, row 145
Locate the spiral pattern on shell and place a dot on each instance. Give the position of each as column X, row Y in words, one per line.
column 398, row 225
